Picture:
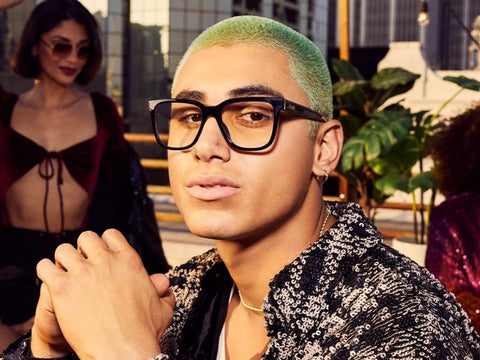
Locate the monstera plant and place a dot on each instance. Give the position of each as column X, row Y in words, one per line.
column 384, row 143
column 425, row 125
column 380, row 143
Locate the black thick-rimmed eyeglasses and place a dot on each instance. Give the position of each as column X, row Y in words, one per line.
column 246, row 123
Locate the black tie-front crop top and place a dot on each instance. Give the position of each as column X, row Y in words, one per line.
column 20, row 154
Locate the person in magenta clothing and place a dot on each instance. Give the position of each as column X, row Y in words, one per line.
column 453, row 251
column 65, row 165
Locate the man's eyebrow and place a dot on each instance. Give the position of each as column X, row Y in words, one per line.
column 250, row 90
column 254, row 90
column 191, row 95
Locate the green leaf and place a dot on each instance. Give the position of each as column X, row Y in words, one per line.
column 352, row 154
column 390, row 82
column 380, row 166
column 341, row 88
column 392, row 77
column 404, row 155
column 398, row 121
column 390, row 183
column 421, row 119
column 423, row 181
column 345, row 70
column 389, row 139
column 373, row 148
column 399, row 129
column 464, row 82
column 379, row 196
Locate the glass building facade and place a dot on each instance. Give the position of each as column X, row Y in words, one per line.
column 376, row 23
column 144, row 40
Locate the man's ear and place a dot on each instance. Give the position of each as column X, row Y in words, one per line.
column 328, row 147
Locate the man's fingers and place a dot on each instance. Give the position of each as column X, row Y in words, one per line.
column 89, row 243
column 67, row 257
column 161, row 283
column 47, row 338
column 115, row 240
column 47, row 269
column 45, row 300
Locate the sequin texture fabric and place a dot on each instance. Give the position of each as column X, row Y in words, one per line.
column 348, row 296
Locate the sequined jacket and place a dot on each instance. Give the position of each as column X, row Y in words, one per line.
column 347, row 296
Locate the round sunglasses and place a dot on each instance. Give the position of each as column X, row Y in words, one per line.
column 63, row 49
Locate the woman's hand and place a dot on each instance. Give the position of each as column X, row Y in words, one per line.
column 102, row 300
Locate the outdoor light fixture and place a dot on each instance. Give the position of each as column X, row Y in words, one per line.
column 423, row 18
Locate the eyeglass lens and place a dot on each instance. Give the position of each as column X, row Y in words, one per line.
column 247, row 124
column 64, row 49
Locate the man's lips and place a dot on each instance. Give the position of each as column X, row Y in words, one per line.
column 211, row 187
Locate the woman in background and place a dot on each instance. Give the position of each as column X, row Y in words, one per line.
column 453, row 252
column 65, row 166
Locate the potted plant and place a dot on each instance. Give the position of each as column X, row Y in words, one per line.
column 384, row 143
column 424, row 127
column 377, row 140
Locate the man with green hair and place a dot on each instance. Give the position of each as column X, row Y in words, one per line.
column 291, row 276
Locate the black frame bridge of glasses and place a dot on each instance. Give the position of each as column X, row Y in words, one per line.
column 277, row 104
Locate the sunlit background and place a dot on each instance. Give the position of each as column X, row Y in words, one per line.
column 144, row 40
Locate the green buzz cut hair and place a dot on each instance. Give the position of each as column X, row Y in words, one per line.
column 306, row 63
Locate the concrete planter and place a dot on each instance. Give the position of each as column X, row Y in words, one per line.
column 414, row 251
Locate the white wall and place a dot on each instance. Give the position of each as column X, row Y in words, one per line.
column 430, row 90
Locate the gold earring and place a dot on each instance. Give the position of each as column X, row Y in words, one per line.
column 319, row 178
column 326, row 176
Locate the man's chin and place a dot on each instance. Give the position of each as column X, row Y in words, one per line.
column 206, row 230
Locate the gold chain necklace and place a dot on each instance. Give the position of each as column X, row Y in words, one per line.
column 327, row 215
column 249, row 307
column 259, row 310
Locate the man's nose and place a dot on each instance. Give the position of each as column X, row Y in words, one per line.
column 211, row 142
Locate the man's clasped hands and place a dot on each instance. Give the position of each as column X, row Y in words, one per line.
column 100, row 294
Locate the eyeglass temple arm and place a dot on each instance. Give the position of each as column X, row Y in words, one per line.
column 303, row 111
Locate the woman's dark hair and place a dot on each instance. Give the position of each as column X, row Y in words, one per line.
column 46, row 16
column 455, row 152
